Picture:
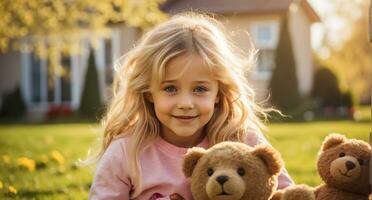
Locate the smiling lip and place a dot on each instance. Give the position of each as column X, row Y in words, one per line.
column 185, row 118
column 344, row 174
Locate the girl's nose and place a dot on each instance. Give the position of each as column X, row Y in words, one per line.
column 185, row 102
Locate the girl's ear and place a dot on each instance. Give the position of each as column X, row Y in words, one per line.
column 148, row 96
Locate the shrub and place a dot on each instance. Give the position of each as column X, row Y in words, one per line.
column 90, row 104
column 284, row 84
column 13, row 105
column 327, row 91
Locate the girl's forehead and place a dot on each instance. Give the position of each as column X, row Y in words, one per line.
column 188, row 66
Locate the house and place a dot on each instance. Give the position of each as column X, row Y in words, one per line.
column 262, row 19
column 25, row 71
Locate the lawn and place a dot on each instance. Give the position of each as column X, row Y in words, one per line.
column 55, row 148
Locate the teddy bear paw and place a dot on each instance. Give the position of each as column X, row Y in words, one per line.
column 298, row 192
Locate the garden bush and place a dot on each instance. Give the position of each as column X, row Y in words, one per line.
column 285, row 94
column 13, row 106
column 90, row 105
column 327, row 91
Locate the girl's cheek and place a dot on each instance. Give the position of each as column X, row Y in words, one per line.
column 207, row 104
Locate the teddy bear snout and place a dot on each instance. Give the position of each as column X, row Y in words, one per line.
column 225, row 184
column 349, row 165
column 222, row 179
column 345, row 169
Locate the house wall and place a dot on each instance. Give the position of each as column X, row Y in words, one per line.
column 238, row 27
column 299, row 26
column 128, row 36
column 10, row 72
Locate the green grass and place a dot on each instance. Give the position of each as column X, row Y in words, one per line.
column 55, row 181
column 299, row 144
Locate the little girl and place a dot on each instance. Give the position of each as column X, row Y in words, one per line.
column 183, row 85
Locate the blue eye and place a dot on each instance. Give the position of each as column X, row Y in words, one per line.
column 200, row 89
column 170, row 89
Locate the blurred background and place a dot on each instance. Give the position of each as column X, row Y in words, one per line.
column 58, row 58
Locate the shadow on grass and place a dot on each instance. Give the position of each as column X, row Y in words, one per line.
column 85, row 186
column 38, row 193
column 34, row 193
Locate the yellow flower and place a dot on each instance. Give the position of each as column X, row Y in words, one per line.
column 6, row 159
column 27, row 163
column 12, row 189
column 58, row 157
column 1, row 185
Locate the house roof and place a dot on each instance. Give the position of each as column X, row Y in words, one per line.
column 226, row 7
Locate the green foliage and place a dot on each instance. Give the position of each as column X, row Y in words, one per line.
column 90, row 104
column 327, row 90
column 284, row 84
column 51, row 27
column 350, row 52
column 13, row 105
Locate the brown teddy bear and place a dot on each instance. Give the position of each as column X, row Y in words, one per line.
column 343, row 164
column 235, row 171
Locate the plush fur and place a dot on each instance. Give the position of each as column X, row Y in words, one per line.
column 295, row 192
column 235, row 171
column 343, row 164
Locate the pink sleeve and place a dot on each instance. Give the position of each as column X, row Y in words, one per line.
column 254, row 138
column 111, row 180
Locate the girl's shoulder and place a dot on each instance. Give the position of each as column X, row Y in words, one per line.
column 118, row 146
column 254, row 137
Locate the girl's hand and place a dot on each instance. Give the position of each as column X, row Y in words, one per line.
column 176, row 196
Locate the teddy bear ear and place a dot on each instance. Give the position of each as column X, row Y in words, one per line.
column 191, row 159
column 271, row 158
column 333, row 140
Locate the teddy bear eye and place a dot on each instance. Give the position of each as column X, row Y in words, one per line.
column 241, row 171
column 360, row 161
column 210, row 172
column 341, row 155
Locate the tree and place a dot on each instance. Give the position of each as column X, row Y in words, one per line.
column 350, row 55
column 52, row 26
column 90, row 104
column 283, row 84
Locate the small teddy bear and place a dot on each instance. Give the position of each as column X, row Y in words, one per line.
column 236, row 171
column 343, row 165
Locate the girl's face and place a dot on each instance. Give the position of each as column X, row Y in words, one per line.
column 184, row 102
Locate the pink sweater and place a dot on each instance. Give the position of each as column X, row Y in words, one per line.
column 161, row 171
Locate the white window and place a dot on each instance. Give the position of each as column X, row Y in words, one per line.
column 265, row 34
column 44, row 89
column 265, row 37
column 65, row 79
column 265, row 64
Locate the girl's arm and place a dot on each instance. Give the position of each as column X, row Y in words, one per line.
column 110, row 180
column 256, row 137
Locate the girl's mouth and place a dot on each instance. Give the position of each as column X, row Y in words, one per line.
column 184, row 118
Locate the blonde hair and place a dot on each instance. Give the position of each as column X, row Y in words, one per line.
column 131, row 114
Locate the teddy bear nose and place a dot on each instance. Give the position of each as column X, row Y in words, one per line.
column 222, row 179
column 349, row 165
